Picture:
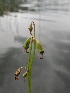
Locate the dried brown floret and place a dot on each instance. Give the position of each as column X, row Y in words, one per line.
column 30, row 28
column 18, row 72
column 25, row 74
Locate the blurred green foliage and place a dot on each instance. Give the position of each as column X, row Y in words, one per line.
column 8, row 5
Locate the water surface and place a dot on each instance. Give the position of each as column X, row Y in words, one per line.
column 50, row 75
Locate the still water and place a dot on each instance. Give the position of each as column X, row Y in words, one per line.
column 50, row 75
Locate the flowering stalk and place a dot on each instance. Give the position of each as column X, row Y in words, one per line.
column 29, row 43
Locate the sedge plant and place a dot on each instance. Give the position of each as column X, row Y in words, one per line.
column 32, row 43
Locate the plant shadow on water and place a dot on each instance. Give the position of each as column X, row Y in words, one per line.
column 10, row 62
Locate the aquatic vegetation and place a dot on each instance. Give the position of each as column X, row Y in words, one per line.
column 29, row 43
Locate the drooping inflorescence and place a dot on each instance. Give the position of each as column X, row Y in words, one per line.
column 38, row 44
column 39, row 47
column 27, row 42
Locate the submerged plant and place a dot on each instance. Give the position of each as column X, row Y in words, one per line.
column 30, row 43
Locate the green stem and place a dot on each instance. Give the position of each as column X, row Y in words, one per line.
column 29, row 70
column 34, row 31
column 30, row 63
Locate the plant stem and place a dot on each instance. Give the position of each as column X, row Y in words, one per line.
column 29, row 69
column 30, row 62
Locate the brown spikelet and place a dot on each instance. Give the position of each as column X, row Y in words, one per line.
column 30, row 28
column 17, row 73
column 25, row 74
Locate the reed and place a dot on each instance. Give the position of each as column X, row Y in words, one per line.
column 32, row 43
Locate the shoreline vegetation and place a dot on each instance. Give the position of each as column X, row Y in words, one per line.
column 14, row 6
column 9, row 6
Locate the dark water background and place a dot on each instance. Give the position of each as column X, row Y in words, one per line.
column 50, row 75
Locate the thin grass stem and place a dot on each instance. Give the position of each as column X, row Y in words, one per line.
column 30, row 62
